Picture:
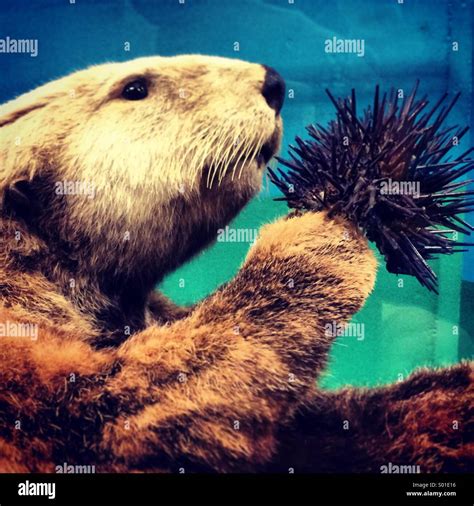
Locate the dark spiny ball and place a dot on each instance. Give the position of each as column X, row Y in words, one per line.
column 387, row 172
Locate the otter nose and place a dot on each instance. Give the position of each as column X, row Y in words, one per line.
column 273, row 89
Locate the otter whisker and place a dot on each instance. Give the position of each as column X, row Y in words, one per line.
column 243, row 157
column 220, row 142
column 247, row 153
column 217, row 159
column 256, row 149
column 224, row 159
column 228, row 159
column 201, row 152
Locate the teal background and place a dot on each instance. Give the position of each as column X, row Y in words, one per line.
column 404, row 40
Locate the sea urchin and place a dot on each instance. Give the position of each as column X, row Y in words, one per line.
column 387, row 172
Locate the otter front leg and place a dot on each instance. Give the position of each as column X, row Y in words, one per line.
column 161, row 310
column 211, row 390
column 425, row 422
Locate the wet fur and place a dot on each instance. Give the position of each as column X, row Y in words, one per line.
column 120, row 377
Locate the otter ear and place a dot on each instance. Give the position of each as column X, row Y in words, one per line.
column 30, row 101
column 18, row 199
column 12, row 111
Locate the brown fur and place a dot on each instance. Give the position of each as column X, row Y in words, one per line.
column 426, row 421
column 118, row 376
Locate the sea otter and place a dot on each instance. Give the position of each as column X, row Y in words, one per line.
column 114, row 176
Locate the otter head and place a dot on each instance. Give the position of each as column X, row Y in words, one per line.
column 125, row 170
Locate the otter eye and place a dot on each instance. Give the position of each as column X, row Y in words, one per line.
column 135, row 90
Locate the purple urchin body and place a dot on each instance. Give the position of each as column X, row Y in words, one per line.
column 387, row 172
